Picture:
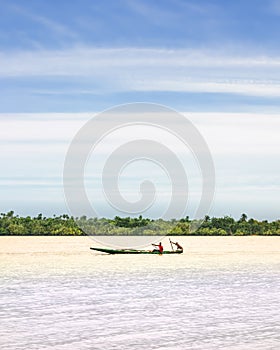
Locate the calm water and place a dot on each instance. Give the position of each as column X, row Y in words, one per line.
column 222, row 293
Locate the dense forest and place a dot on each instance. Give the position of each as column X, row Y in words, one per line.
column 11, row 224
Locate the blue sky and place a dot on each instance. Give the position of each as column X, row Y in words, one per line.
column 52, row 52
column 62, row 61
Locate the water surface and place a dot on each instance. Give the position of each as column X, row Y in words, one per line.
column 222, row 293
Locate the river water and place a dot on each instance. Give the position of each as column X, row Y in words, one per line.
column 222, row 293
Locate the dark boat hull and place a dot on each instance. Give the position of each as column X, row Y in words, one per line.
column 134, row 251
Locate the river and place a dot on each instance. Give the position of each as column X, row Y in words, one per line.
column 222, row 293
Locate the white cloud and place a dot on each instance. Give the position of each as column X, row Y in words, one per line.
column 132, row 69
column 245, row 148
column 40, row 127
column 241, row 134
column 226, row 133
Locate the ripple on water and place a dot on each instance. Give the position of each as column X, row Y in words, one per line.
column 87, row 301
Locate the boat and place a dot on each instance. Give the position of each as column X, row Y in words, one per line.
column 135, row 251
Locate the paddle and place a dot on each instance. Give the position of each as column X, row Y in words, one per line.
column 171, row 244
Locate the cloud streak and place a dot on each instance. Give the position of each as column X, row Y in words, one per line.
column 226, row 133
column 245, row 148
column 134, row 69
column 51, row 25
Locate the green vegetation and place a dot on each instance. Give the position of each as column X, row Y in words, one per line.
column 64, row 225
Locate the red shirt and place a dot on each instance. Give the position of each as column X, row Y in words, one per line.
column 160, row 247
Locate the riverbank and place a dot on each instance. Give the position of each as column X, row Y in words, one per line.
column 64, row 225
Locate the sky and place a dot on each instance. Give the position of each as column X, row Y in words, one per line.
column 216, row 62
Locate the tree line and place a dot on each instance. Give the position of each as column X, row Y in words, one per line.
column 65, row 225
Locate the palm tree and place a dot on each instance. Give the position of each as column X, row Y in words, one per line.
column 243, row 218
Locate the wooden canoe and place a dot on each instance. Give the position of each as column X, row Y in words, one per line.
column 134, row 251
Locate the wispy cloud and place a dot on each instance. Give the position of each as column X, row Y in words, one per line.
column 178, row 11
column 50, row 24
column 152, row 12
column 245, row 148
column 226, row 133
column 134, row 69
column 274, row 7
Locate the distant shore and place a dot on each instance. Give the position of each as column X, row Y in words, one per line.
column 65, row 225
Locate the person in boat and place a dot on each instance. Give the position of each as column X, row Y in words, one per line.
column 158, row 248
column 178, row 246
